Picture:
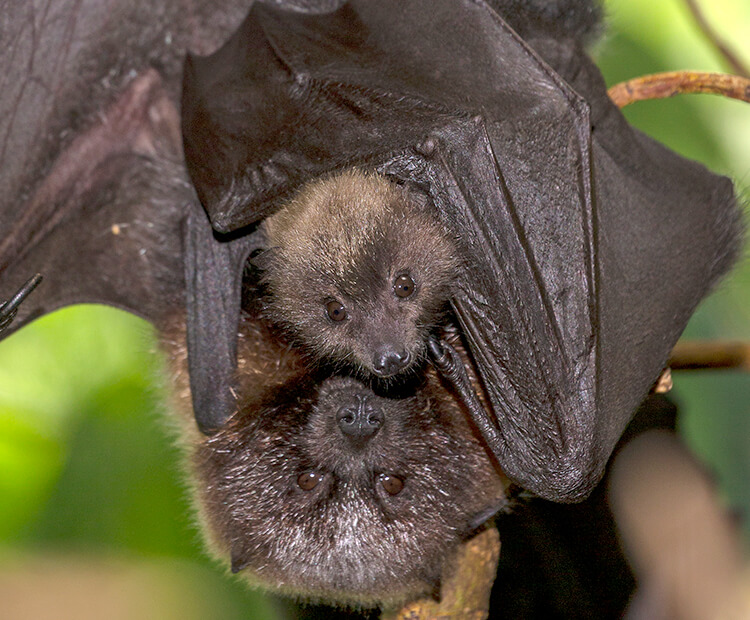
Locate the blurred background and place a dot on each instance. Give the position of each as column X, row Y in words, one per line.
column 91, row 487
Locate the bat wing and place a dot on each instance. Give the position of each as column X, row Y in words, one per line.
column 104, row 224
column 585, row 245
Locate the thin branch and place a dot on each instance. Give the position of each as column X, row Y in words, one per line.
column 662, row 85
column 714, row 39
column 699, row 355
column 465, row 585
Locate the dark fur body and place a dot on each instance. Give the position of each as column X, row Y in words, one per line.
column 346, row 540
column 346, row 238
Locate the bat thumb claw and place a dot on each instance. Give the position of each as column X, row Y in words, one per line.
column 9, row 308
column 436, row 351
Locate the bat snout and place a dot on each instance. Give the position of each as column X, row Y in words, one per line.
column 360, row 419
column 388, row 360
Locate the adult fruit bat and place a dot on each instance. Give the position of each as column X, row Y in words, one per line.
column 359, row 271
column 565, row 218
column 323, row 488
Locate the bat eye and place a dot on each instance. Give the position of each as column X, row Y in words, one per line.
column 308, row 480
column 336, row 310
column 403, row 286
column 392, row 484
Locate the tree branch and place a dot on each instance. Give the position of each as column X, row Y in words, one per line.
column 703, row 354
column 466, row 584
column 662, row 85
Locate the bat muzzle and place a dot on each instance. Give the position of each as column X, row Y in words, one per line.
column 361, row 419
column 389, row 360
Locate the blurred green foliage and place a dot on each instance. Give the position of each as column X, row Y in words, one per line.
column 87, row 464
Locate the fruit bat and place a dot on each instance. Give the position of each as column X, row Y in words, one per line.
column 323, row 488
column 359, row 270
column 584, row 246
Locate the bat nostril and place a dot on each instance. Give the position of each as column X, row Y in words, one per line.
column 388, row 360
column 360, row 421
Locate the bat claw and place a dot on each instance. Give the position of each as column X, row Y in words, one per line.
column 9, row 308
column 446, row 360
column 437, row 351
column 238, row 562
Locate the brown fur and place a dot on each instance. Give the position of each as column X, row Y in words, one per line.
column 347, row 238
column 346, row 540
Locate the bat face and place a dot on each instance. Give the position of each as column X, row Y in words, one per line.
column 359, row 271
column 328, row 490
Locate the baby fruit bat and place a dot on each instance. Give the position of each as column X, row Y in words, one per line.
column 358, row 270
column 584, row 246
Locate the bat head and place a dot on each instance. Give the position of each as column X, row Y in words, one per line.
column 359, row 271
column 333, row 492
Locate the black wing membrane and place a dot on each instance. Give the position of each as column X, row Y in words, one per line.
column 104, row 224
column 586, row 246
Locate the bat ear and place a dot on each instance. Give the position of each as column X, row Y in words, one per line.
column 418, row 195
column 479, row 519
column 263, row 258
column 238, row 561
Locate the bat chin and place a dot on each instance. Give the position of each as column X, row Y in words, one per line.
column 332, row 577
